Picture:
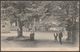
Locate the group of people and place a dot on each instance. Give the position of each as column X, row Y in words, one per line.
column 56, row 36
column 59, row 36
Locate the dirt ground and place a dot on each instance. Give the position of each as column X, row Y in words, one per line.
column 42, row 40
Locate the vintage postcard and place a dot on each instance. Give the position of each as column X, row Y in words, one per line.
column 40, row 25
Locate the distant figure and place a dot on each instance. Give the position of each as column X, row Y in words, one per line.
column 55, row 36
column 32, row 36
column 60, row 37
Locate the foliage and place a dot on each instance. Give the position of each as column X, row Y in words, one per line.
column 28, row 10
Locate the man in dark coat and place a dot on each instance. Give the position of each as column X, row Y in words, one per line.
column 60, row 37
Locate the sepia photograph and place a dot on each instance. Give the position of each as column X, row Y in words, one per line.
column 40, row 25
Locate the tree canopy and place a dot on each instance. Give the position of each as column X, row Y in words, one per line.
column 28, row 10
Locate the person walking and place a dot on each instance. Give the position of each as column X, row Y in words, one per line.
column 55, row 36
column 60, row 37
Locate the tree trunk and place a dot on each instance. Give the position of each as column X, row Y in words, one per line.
column 19, row 24
column 33, row 31
column 68, row 29
column 74, row 32
column 74, row 36
column 69, row 35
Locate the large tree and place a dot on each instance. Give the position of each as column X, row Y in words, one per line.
column 68, row 13
column 24, row 12
column 16, row 10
